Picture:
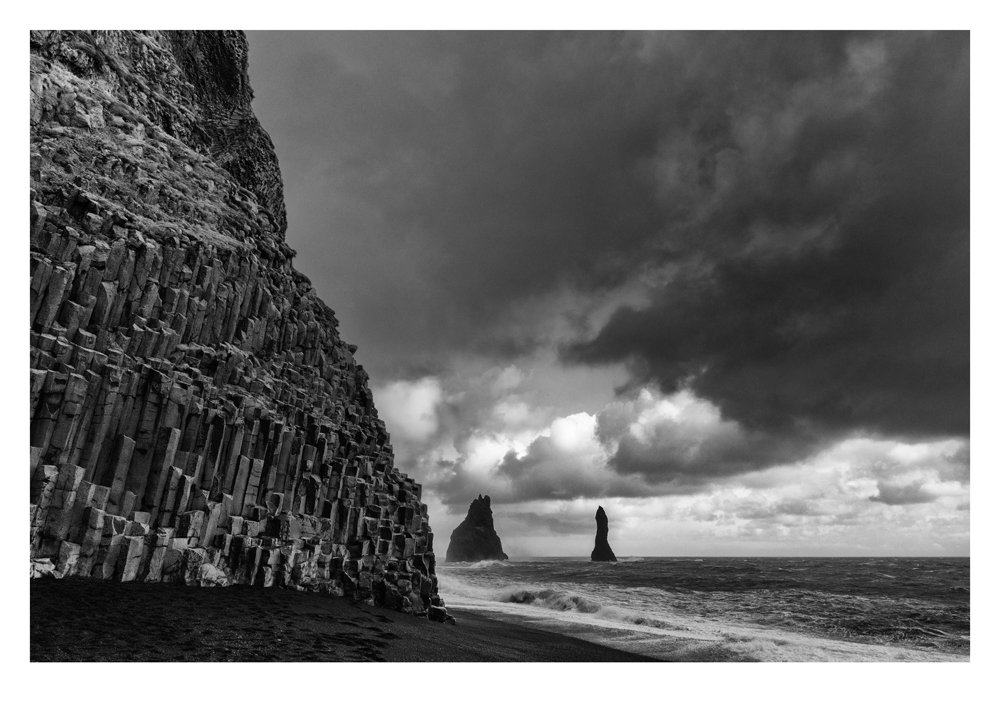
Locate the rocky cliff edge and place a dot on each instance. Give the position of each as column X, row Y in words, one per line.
column 195, row 416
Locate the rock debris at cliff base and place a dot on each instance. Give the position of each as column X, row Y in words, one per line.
column 195, row 416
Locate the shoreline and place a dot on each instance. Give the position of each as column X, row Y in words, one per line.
column 729, row 643
column 78, row 619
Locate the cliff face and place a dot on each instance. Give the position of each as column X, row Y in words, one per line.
column 475, row 539
column 602, row 549
column 195, row 416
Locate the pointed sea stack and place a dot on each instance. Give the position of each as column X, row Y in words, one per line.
column 602, row 549
column 475, row 539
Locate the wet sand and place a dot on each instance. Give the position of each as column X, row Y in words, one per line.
column 88, row 620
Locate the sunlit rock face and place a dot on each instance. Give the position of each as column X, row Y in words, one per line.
column 475, row 539
column 195, row 416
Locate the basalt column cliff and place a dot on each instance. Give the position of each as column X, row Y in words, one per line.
column 195, row 416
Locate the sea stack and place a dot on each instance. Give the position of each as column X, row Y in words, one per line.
column 602, row 549
column 475, row 539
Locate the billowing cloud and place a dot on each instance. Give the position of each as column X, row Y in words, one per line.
column 410, row 408
column 564, row 460
column 718, row 281
column 823, row 284
column 679, row 444
column 683, row 441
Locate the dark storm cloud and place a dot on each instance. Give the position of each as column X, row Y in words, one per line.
column 913, row 493
column 829, row 290
column 957, row 466
column 463, row 172
column 435, row 179
column 547, row 472
column 661, row 460
column 549, row 524
column 795, row 205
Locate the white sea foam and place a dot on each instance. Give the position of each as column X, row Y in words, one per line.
column 543, row 601
column 656, row 632
column 490, row 564
column 565, row 601
column 479, row 565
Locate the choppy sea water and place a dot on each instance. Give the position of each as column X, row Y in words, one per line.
column 761, row 609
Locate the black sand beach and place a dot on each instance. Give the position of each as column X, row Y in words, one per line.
column 84, row 620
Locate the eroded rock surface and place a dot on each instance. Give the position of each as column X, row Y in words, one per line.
column 475, row 539
column 602, row 549
column 195, row 416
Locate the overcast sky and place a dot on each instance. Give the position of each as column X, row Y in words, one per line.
column 715, row 282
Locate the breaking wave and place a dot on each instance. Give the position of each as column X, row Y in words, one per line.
column 551, row 599
column 479, row 565
column 733, row 609
column 565, row 601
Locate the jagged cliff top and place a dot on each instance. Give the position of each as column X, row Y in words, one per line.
column 154, row 89
column 476, row 539
column 148, row 138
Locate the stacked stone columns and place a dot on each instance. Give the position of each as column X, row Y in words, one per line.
column 195, row 416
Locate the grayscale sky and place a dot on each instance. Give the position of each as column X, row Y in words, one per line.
column 715, row 282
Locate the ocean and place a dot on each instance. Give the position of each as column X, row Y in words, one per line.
column 733, row 609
